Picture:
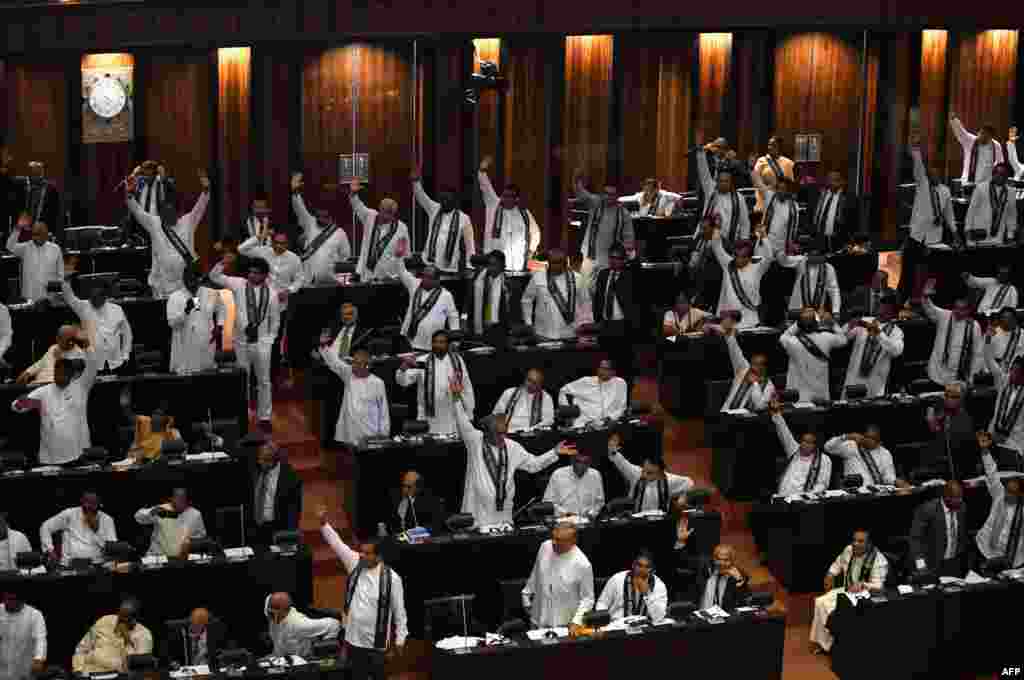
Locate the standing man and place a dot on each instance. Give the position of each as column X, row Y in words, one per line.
column 752, row 388
column 111, row 640
column 808, row 471
column 12, row 544
column 286, row 268
column 375, row 621
column 258, row 309
column 576, row 490
column 350, row 333
column 1001, row 534
column 510, row 227
column 175, row 525
column 1006, row 337
column 22, row 638
column 864, row 455
column 277, row 497
column 172, row 238
column 382, row 232
column 41, row 260
column 192, row 313
column 956, row 354
column 491, row 463
column 85, row 530
column 816, row 284
column 560, row 589
column 450, row 240
column 741, row 276
column 562, row 301
column 876, row 342
column 527, row 406
column 635, row 592
column 938, row 535
column 42, row 199
column 258, row 223
column 601, row 397
column 431, row 305
column 607, row 223
column 997, row 293
column 488, row 298
column 981, row 152
column 809, row 344
column 326, row 243
column 781, row 217
column 835, row 213
column 651, row 487
column 1007, row 427
column 105, row 324
column 440, row 370
column 770, row 169
column 364, row 408
column 721, row 198
column 615, row 308
column 992, row 215
column 931, row 222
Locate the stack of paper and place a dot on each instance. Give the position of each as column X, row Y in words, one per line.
column 205, row 457
column 47, row 469
column 458, row 642
column 153, row 560
column 974, row 578
column 190, row 671
column 541, row 633
column 654, row 514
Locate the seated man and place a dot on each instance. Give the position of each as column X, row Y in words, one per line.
column 414, row 506
column 86, row 531
column 751, row 387
column 200, row 642
column 291, row 631
column 600, row 398
column 635, row 592
column 560, row 589
column 527, row 406
column 876, row 342
column 576, row 489
column 1000, row 536
column 71, row 342
column 864, row 455
column 12, row 543
column 808, row 470
column 23, row 631
column 683, row 318
column 175, row 525
column 433, row 384
column 719, row 581
column 938, row 534
column 111, row 640
column 809, row 344
column 106, row 325
column 863, row 568
column 150, row 434
column 651, row 487
column 997, row 292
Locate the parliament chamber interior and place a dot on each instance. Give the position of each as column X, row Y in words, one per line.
column 491, row 339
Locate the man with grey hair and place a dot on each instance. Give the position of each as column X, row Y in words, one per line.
column 277, row 494
column 291, row 631
column 70, row 343
column 431, row 307
column 382, row 232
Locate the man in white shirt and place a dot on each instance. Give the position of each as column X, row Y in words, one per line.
column 781, row 217
column 6, row 332
column 1007, row 426
column 721, row 199
column 431, row 306
column 450, row 239
column 326, row 242
column 562, row 301
column 171, row 238
column 86, row 530
column 931, row 220
column 876, row 342
column 175, row 525
column 63, row 408
column 770, row 169
column 12, row 543
column 488, row 297
column 816, row 284
column 809, row 345
column 285, row 266
column 375, row 620
column 382, row 232
column 41, row 261
column 105, row 323
column 864, row 568
column 752, row 388
column 956, row 352
column 560, row 590
column 491, row 463
column 192, row 313
column 1005, row 337
column 1000, row 537
column 576, row 489
column 864, row 455
column 292, row 632
column 111, row 640
column 653, row 200
column 607, row 223
column 649, row 484
column 981, row 152
column 433, row 383
column 741, row 276
column 997, row 293
column 70, row 343
column 22, row 639
column 603, row 397
column 510, row 227
column 808, row 471
column 635, row 592
column 527, row 406
column 992, row 214
column 364, row 408
column 258, row 307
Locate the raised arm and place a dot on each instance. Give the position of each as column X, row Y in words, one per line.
column 195, row 216
column 630, row 473
column 364, row 214
column 425, row 202
column 348, row 556
column 250, row 246
column 840, row 446
column 486, row 188
column 994, row 366
column 992, row 480
column 965, row 138
column 736, row 356
column 707, row 182
column 339, row 367
column 306, row 220
column 892, row 344
column 218, row 277
column 527, row 301
column 125, row 333
column 789, row 444
column 77, row 305
column 719, row 250
column 1011, row 156
column 920, row 175
column 832, row 284
column 534, row 233
column 12, row 243
column 462, row 422
column 468, row 236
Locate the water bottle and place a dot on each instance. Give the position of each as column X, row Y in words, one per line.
column 382, row 530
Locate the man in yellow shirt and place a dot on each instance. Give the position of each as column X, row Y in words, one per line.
column 111, row 640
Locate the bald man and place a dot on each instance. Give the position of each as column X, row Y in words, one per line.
column 938, row 535
column 382, row 232
column 291, row 631
column 414, row 506
column 41, row 261
column 719, row 581
column 197, row 643
column 71, row 342
column 560, row 589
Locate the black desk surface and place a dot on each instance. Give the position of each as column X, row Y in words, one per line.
column 748, row 646
column 233, row 591
column 443, row 464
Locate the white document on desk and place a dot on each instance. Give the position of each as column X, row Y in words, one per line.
column 458, row 642
column 541, row 633
column 974, row 578
column 190, row 671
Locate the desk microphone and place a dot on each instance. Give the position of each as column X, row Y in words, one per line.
column 518, row 512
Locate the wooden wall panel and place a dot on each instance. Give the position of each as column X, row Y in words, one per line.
column 932, row 102
column 234, row 87
column 817, row 89
column 640, row 63
column 587, row 111
column 527, row 157
column 715, row 54
column 868, row 120
column 675, row 105
column 37, row 117
column 276, row 135
column 984, row 70
column 748, row 132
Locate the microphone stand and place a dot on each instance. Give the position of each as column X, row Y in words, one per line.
column 517, row 513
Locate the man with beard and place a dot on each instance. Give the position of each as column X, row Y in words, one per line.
column 562, row 301
column 488, row 297
column 635, row 592
column 809, row 345
column 769, row 170
column 22, row 638
column 527, row 406
column 1000, row 537
column 956, row 354
column 997, row 293
column 192, row 313
column 807, row 469
column 41, row 260
column 105, row 324
column 431, row 306
column 576, row 489
column 608, row 223
column 450, row 241
column 326, row 242
column 981, row 152
column 992, row 214
column 364, row 408
column 382, row 232
column 85, row 531
column 510, row 227
column 876, row 342
column 441, row 369
column 1004, row 336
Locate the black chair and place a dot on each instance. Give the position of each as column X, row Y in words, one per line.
column 512, row 599
column 599, row 583
column 229, row 525
column 450, row 616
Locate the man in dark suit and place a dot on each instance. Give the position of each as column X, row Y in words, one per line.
column 866, row 300
column 834, row 213
column 196, row 643
column 348, row 333
column 481, row 313
column 276, row 497
column 616, row 310
column 953, row 440
column 938, row 535
column 719, row 581
column 413, row 505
